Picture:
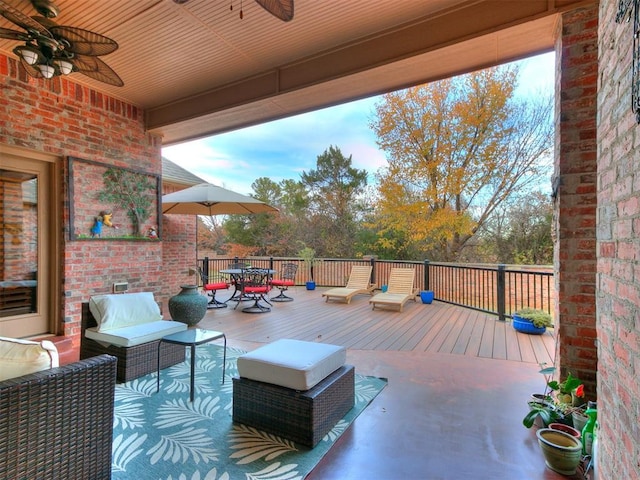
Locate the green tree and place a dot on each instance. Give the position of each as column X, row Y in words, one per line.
column 211, row 234
column 456, row 150
column 520, row 231
column 271, row 233
column 335, row 188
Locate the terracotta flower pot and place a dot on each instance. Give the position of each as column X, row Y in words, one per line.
column 562, row 452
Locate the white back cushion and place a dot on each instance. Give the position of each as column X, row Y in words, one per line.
column 20, row 357
column 124, row 310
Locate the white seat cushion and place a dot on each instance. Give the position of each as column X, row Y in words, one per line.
column 115, row 311
column 293, row 364
column 135, row 334
column 20, row 357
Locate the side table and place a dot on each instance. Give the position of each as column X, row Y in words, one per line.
column 193, row 337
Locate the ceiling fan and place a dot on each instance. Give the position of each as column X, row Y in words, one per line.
column 51, row 50
column 282, row 9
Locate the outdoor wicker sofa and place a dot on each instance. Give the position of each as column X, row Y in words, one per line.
column 58, row 423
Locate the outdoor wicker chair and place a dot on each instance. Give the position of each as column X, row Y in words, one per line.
column 134, row 361
column 58, row 423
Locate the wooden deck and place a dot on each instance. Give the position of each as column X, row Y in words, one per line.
column 438, row 327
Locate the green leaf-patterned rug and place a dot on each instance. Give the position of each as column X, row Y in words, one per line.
column 163, row 436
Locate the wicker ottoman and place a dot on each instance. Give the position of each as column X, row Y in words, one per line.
column 301, row 416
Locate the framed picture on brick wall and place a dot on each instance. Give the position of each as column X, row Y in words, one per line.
column 112, row 203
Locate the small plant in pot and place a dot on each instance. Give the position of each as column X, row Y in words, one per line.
column 544, row 409
column 308, row 255
column 544, row 413
column 532, row 321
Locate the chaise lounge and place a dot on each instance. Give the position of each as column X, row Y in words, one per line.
column 399, row 291
column 359, row 283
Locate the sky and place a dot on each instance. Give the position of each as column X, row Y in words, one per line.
column 283, row 149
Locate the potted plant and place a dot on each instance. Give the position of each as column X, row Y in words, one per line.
column 532, row 321
column 557, row 403
column 569, row 392
column 542, row 412
column 308, row 255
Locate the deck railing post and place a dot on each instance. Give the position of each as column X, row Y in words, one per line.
column 501, row 293
column 372, row 261
column 205, row 267
column 427, row 283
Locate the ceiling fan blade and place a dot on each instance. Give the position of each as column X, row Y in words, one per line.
column 21, row 20
column 283, row 9
column 95, row 68
column 13, row 34
column 84, row 42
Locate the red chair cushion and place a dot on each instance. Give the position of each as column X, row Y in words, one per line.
column 216, row 286
column 259, row 289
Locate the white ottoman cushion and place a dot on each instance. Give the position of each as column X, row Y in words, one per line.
column 293, row 364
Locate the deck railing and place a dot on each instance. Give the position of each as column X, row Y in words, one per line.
column 496, row 289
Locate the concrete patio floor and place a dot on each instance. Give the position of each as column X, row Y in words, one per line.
column 442, row 415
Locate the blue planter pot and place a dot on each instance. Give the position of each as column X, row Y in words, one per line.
column 525, row 326
column 311, row 285
column 426, row 296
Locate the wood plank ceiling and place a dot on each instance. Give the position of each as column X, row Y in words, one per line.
column 198, row 69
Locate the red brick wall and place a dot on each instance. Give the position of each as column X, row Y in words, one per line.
column 575, row 203
column 64, row 118
column 618, row 253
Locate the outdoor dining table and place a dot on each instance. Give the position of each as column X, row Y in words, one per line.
column 236, row 275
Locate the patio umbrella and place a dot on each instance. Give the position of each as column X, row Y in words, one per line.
column 207, row 199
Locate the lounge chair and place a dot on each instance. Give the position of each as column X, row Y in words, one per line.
column 399, row 291
column 359, row 282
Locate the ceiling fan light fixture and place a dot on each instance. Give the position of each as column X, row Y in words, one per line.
column 46, row 70
column 64, row 66
column 29, row 54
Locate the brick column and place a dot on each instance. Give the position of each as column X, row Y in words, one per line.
column 618, row 253
column 575, row 195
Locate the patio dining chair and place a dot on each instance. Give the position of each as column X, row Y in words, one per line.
column 254, row 285
column 286, row 279
column 212, row 284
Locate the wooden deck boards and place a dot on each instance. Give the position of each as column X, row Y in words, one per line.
column 438, row 327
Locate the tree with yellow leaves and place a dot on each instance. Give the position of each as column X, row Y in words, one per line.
column 456, row 149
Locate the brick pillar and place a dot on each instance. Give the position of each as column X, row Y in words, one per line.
column 575, row 195
column 618, row 254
